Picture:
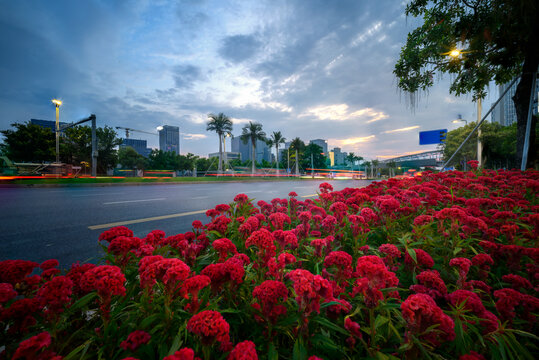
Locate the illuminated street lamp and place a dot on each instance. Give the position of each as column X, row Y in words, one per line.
column 460, row 119
column 57, row 103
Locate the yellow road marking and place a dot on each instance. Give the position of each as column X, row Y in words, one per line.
column 137, row 221
column 309, row 195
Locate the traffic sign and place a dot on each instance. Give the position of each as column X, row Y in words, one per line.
column 432, row 137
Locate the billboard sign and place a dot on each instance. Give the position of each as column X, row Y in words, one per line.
column 432, row 137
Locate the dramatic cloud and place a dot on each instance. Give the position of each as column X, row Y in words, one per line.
column 401, row 129
column 194, row 136
column 238, row 48
column 186, row 75
column 340, row 112
column 310, row 69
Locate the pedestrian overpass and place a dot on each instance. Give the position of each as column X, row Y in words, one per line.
column 425, row 159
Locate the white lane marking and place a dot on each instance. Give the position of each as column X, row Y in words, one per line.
column 199, row 197
column 252, row 191
column 96, row 194
column 131, row 201
column 136, row 221
column 305, row 196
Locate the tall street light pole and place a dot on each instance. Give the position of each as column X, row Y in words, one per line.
column 460, row 119
column 57, row 103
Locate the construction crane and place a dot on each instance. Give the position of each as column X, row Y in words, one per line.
column 127, row 130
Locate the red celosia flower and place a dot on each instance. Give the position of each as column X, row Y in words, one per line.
column 424, row 260
column 352, row 327
column 210, row 326
column 264, row 241
column 309, row 290
column 422, row 220
column 373, row 275
column 473, row 303
column 191, row 287
column 245, row 350
column 32, row 347
column 435, row 286
column 225, row 247
column 463, row 266
column 292, row 194
column 387, row 204
column 271, row 295
column 286, row 239
column 222, row 208
column 342, row 261
column 508, row 299
column 325, row 188
column 231, row 271
column 474, row 164
column 171, row 271
column 135, row 339
column 14, row 271
column 472, row 356
column 278, row 220
column 197, row 224
column 182, row 354
column 107, row 280
column 420, row 313
column 517, row 281
column 56, row 293
column 6, row 292
column 47, row 264
column 110, row 234
column 241, row 198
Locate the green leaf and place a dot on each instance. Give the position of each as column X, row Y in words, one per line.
column 380, row 320
column 299, row 352
column 148, row 321
column 272, row 352
column 83, row 301
column 412, row 254
column 78, row 349
column 325, row 322
column 176, row 343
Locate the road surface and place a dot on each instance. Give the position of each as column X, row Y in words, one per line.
column 64, row 223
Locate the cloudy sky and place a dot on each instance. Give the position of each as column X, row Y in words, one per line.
column 308, row 68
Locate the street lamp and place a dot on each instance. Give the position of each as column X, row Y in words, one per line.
column 459, row 119
column 224, row 147
column 57, row 103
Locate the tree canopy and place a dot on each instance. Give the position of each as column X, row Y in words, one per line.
column 29, row 143
column 318, row 159
column 252, row 132
column 496, row 40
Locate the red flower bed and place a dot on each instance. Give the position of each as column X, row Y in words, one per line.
column 438, row 266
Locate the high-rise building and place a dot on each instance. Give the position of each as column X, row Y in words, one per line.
column 338, row 156
column 322, row 143
column 169, row 139
column 263, row 152
column 140, row 146
column 504, row 113
column 48, row 124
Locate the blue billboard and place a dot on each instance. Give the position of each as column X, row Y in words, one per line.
column 432, row 137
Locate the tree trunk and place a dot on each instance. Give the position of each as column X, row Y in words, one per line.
column 253, row 153
column 521, row 99
column 277, row 157
column 297, row 164
column 220, row 165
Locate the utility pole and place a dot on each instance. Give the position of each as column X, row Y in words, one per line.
column 479, row 145
column 312, row 166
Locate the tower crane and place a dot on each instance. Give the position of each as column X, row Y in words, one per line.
column 127, row 130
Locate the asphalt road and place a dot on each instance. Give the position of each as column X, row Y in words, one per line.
column 64, row 223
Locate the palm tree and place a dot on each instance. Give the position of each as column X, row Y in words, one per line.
column 352, row 158
column 222, row 125
column 375, row 164
column 252, row 131
column 297, row 145
column 275, row 139
column 367, row 164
